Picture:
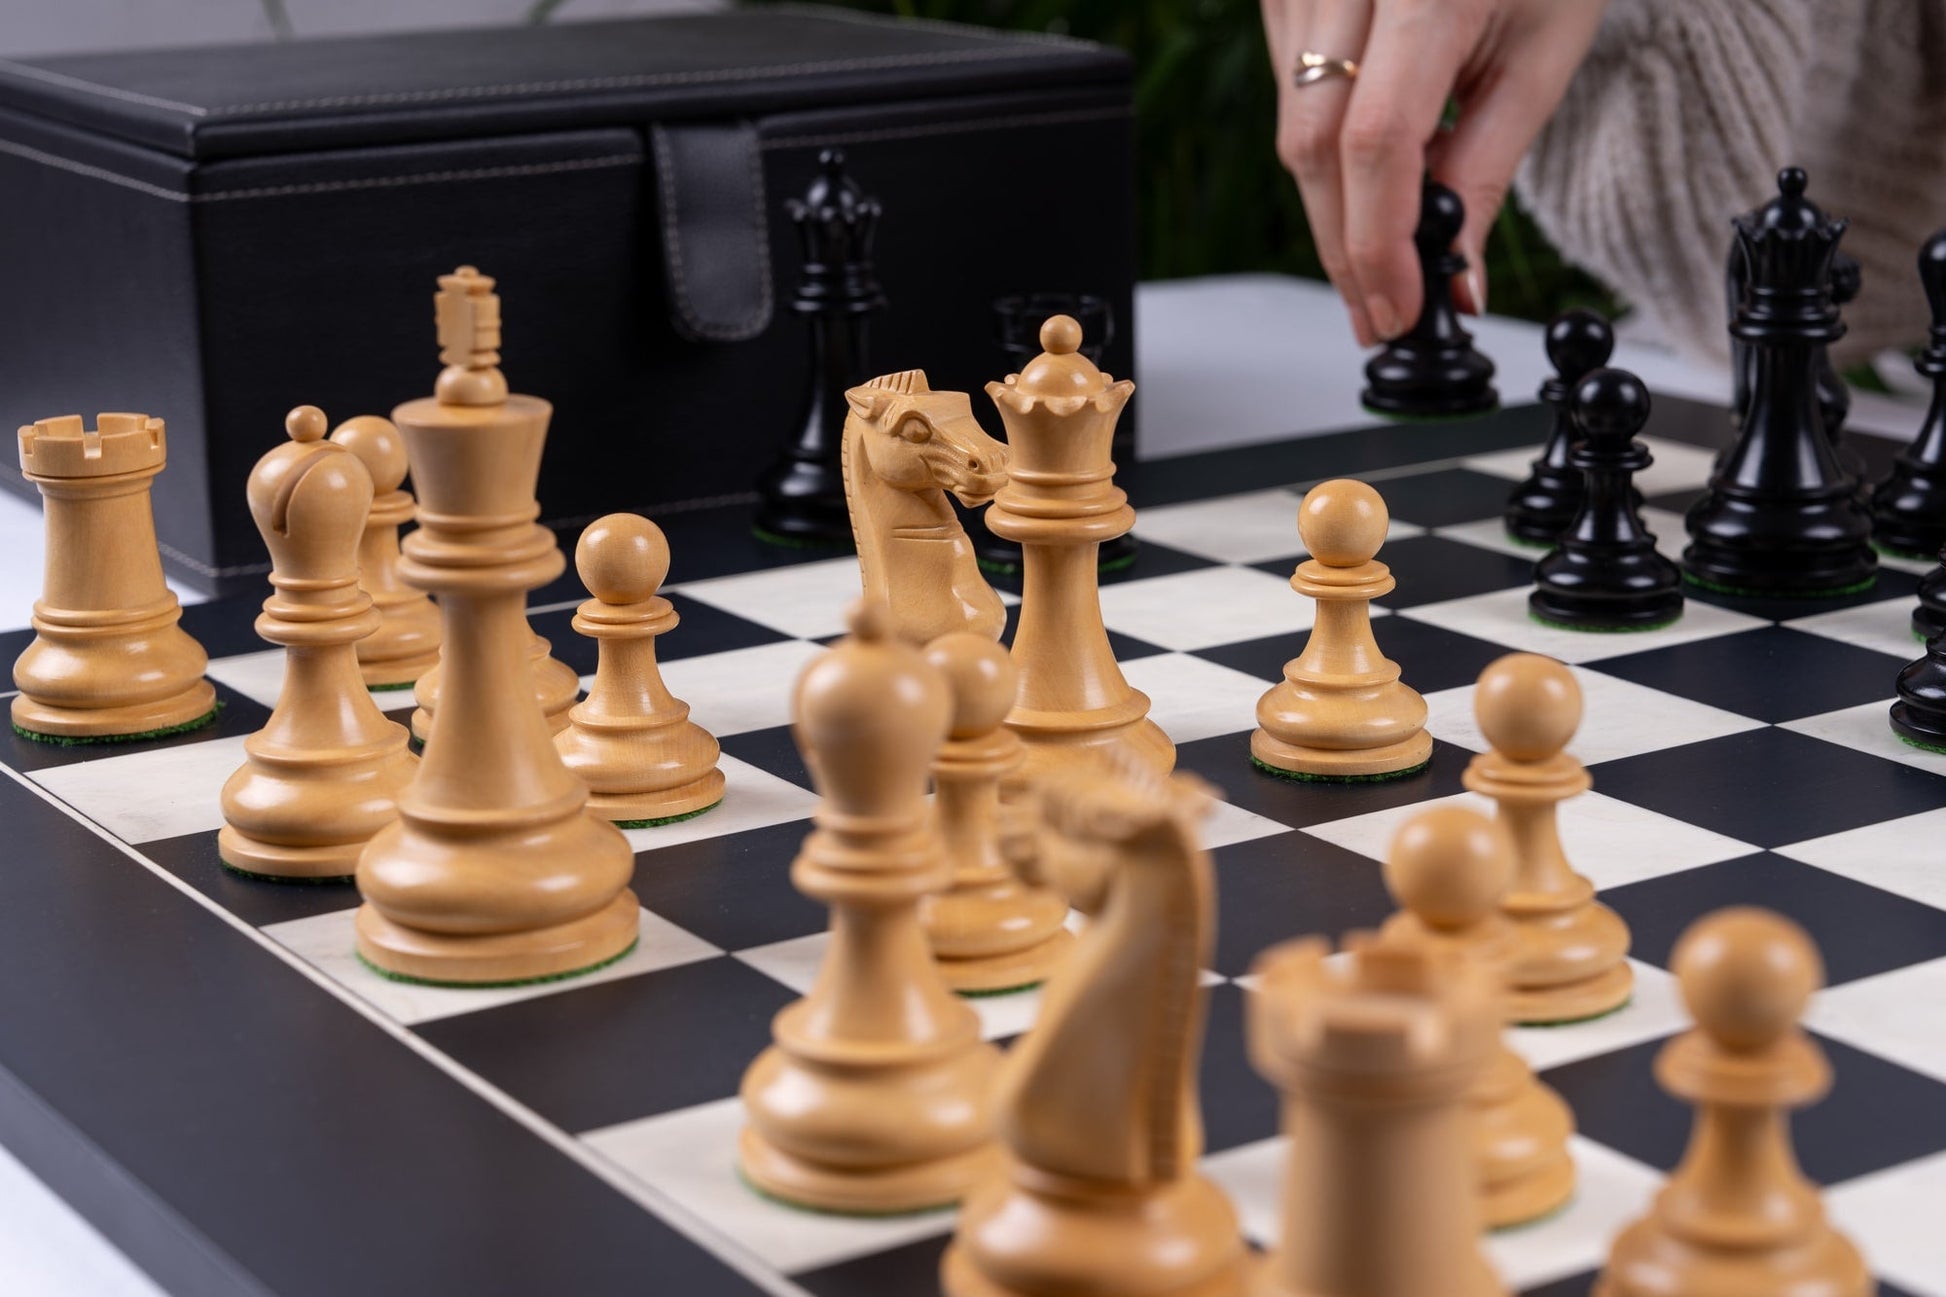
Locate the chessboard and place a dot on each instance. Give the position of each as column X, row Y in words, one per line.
column 200, row 1064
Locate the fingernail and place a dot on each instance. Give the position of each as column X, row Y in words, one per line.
column 1361, row 328
column 1384, row 317
column 1476, row 286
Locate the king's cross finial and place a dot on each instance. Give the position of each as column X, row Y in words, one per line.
column 466, row 312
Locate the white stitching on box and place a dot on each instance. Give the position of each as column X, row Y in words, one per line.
column 947, row 128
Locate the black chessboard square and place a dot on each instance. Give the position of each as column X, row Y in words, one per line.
column 721, row 541
column 257, row 901
column 908, row 1271
column 1889, row 584
column 1741, row 785
column 1290, row 885
column 1578, row 1285
column 1430, row 658
column 733, row 890
column 702, row 629
column 236, row 717
column 773, row 750
column 1298, row 803
column 591, row 1056
column 1239, row 1106
column 1877, row 1115
column 1432, row 569
column 1860, row 929
column 1771, row 674
column 1126, row 648
column 1676, row 502
column 1442, row 498
column 1151, row 560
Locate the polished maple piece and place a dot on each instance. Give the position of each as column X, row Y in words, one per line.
column 1737, row 1215
column 325, row 772
column 494, row 871
column 1100, row 1192
column 555, row 686
column 1060, row 503
column 905, row 446
column 1341, row 710
column 1374, row 1054
column 1570, row 956
column 406, row 644
column 877, row 1093
column 1448, row 868
column 990, row 930
column 108, row 659
column 631, row 741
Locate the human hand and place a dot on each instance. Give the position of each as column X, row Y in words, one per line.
column 1359, row 146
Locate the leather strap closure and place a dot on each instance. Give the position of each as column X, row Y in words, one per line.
column 715, row 229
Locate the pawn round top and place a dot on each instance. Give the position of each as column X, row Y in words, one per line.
column 1746, row 975
column 1342, row 522
column 1060, row 370
column 1441, row 214
column 1449, row 867
column 981, row 677
column 1611, row 404
column 622, row 558
column 868, row 714
column 306, row 423
column 1528, row 706
column 376, row 440
column 1578, row 341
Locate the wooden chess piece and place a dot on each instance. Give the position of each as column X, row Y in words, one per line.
column 1100, row 1191
column 1780, row 515
column 1737, row 1215
column 990, row 930
column 1570, row 955
column 1432, row 370
column 877, row 1093
column 905, row 446
column 555, row 687
column 1909, row 506
column 1540, row 508
column 406, row 644
column 631, row 741
column 802, row 495
column 1448, row 869
column 1060, row 503
column 1374, row 1054
column 494, row 871
column 1341, row 711
column 325, row 772
column 108, row 660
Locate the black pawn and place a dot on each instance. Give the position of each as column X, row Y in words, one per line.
column 1431, row 370
column 1579, row 342
column 1909, row 506
column 1780, row 516
column 1605, row 573
column 802, row 494
column 1919, row 715
column 1929, row 618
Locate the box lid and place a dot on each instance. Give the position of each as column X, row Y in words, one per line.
column 247, row 100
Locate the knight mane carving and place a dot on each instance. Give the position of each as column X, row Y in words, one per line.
column 904, row 447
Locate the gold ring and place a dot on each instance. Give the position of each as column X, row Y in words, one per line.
column 1313, row 67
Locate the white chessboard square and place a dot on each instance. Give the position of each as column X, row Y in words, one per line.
column 807, row 600
column 260, row 678
column 1671, row 532
column 1902, row 563
column 1899, row 1014
column 1619, row 719
column 164, row 792
column 1490, row 533
column 1249, row 528
column 752, row 799
column 1654, row 1010
column 1884, row 626
column 688, row 1158
column 742, row 689
column 329, row 943
column 1226, row 825
column 1893, row 1218
column 1610, row 842
column 1210, row 606
column 1501, row 617
column 1192, row 698
column 795, row 963
column 1899, row 856
column 1865, row 728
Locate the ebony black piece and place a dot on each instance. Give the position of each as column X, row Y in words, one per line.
column 1834, row 396
column 1919, row 715
column 1605, row 573
column 1909, row 506
column 1579, row 341
column 803, row 492
column 1929, row 618
column 1431, row 370
column 1736, row 280
column 1780, row 517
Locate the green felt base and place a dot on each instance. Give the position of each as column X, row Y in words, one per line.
column 1603, row 630
column 387, row 689
column 809, row 1210
column 1000, row 990
column 1539, row 546
column 1586, row 1017
column 1915, row 743
column 1702, row 583
column 668, row 819
column 327, row 880
column 1541, row 1219
column 799, row 542
column 391, row 976
column 1305, row 777
column 1889, row 552
column 992, row 568
column 84, row 740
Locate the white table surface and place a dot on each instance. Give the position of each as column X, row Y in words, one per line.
column 1222, row 362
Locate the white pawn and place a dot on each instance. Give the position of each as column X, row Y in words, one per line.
column 631, row 741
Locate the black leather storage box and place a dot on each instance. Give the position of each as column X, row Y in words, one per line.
column 216, row 235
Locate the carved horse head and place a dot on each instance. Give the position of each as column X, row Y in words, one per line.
column 914, row 438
